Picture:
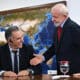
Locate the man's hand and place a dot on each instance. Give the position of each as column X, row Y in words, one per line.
column 37, row 59
column 10, row 74
column 76, row 75
column 23, row 73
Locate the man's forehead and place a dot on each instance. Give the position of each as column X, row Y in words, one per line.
column 17, row 33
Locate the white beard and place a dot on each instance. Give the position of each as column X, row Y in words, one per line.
column 57, row 24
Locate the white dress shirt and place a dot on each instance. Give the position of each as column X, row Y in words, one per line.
column 12, row 59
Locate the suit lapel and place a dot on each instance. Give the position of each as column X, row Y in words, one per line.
column 8, row 56
column 56, row 40
column 20, row 59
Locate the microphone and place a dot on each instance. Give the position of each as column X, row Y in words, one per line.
column 31, row 72
column 10, row 41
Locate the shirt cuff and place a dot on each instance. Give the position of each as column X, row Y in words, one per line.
column 1, row 73
column 43, row 58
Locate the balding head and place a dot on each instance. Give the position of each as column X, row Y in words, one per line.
column 59, row 14
column 60, row 8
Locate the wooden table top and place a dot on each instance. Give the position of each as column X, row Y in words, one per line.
column 37, row 77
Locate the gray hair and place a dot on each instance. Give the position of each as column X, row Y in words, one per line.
column 8, row 32
column 61, row 8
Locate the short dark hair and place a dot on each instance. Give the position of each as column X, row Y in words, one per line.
column 8, row 32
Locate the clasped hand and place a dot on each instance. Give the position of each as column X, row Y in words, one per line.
column 37, row 59
column 13, row 74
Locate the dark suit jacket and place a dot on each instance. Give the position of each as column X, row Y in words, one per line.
column 68, row 48
column 25, row 54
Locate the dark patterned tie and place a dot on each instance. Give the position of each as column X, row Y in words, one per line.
column 59, row 31
column 15, row 62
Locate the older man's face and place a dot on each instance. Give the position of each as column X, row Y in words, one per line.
column 57, row 18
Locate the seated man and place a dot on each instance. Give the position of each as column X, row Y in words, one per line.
column 11, row 66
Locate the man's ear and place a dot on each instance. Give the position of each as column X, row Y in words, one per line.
column 10, row 41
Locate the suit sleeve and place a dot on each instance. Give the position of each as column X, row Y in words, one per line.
column 49, row 53
column 76, row 36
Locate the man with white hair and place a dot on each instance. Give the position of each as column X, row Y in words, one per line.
column 66, row 41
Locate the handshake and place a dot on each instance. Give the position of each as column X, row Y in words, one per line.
column 37, row 59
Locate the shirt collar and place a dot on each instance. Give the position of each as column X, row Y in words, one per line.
column 63, row 23
column 12, row 49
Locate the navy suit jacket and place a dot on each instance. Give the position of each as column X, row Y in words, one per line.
column 68, row 48
column 25, row 54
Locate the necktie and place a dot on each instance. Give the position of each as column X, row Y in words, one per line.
column 15, row 62
column 59, row 31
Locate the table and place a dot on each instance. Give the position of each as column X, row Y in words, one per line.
column 36, row 77
column 48, row 77
column 30, row 77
